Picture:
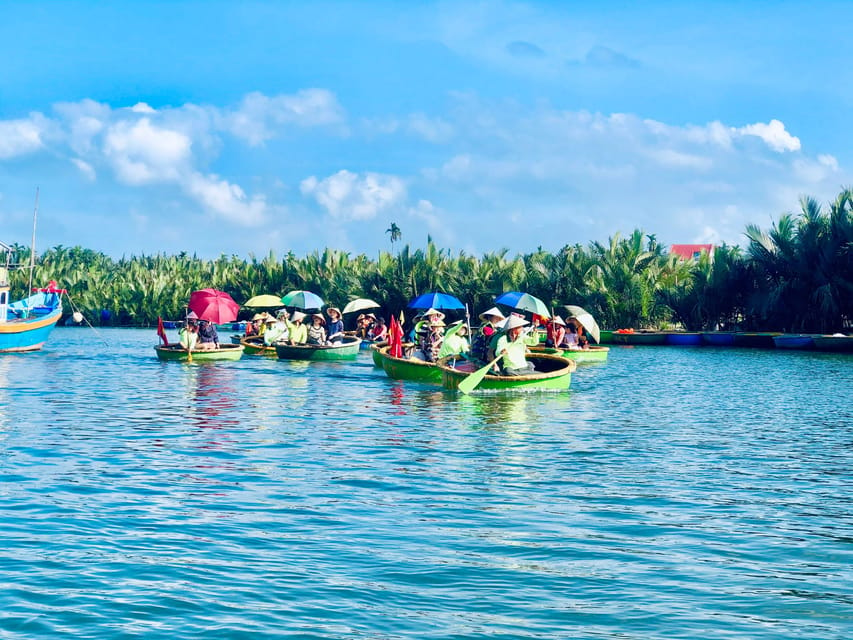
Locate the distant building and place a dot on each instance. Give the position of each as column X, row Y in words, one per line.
column 692, row 251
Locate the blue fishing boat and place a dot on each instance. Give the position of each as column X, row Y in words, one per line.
column 26, row 324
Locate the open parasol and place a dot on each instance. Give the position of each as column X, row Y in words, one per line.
column 585, row 318
column 263, row 301
column 521, row 301
column 436, row 301
column 303, row 300
column 213, row 305
column 360, row 304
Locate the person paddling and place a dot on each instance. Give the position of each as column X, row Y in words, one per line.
column 512, row 349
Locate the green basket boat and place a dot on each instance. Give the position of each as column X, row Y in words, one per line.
column 553, row 373
column 591, row 354
column 639, row 337
column 255, row 346
column 408, row 369
column 347, row 350
column 756, row 339
column 177, row 353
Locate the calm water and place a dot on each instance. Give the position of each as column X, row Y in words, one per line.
column 673, row 493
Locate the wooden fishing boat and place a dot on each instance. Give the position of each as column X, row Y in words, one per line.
column 639, row 337
column 553, row 373
column 408, row 368
column 756, row 339
column 255, row 346
column 684, row 339
column 26, row 324
column 346, row 350
column 174, row 351
column 718, row 338
column 833, row 343
column 590, row 354
column 794, row 341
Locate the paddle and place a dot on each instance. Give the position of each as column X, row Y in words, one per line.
column 472, row 382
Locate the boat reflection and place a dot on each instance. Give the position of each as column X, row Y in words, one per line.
column 213, row 394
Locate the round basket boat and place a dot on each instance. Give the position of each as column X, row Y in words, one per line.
column 255, row 346
column 177, row 353
column 408, row 368
column 591, row 354
column 553, row 373
column 346, row 350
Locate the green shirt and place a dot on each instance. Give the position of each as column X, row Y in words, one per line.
column 298, row 333
column 513, row 352
column 453, row 345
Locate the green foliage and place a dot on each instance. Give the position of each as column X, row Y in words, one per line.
column 796, row 276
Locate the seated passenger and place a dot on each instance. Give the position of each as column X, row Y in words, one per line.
column 455, row 341
column 298, row 332
column 484, row 335
column 207, row 335
column 317, row 330
column 335, row 327
column 431, row 341
column 188, row 335
column 511, row 349
column 379, row 332
column 556, row 332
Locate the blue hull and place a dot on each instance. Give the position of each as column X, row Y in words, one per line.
column 715, row 339
column 28, row 335
column 684, row 339
column 793, row 342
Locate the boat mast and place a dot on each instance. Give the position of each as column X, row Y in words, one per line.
column 33, row 245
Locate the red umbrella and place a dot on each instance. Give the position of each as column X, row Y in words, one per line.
column 214, row 306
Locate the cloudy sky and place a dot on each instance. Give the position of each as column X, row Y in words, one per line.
column 244, row 127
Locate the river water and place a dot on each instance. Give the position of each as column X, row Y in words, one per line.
column 672, row 493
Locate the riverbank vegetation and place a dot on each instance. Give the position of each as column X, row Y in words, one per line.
column 795, row 276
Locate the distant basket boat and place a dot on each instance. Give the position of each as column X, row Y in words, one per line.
column 833, row 343
column 639, row 337
column 718, row 338
column 176, row 352
column 756, row 339
column 590, row 354
column 553, row 373
column 794, row 341
column 347, row 350
column 255, row 346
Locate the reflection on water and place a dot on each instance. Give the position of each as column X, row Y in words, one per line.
column 324, row 500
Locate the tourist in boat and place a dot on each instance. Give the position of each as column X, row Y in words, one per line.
column 298, row 332
column 511, row 348
column 556, row 332
column 207, row 335
column 335, row 327
column 364, row 323
column 483, row 336
column 317, row 329
column 572, row 337
column 276, row 329
column 253, row 327
column 431, row 340
column 188, row 335
column 379, row 332
column 455, row 340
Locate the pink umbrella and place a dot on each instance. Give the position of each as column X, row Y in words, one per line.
column 214, row 306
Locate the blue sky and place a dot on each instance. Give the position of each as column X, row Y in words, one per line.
column 244, row 127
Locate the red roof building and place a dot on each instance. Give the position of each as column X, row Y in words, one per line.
column 691, row 251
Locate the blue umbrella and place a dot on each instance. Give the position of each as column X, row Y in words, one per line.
column 435, row 301
column 303, row 300
column 523, row 302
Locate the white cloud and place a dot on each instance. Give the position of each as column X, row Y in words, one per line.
column 20, row 137
column 142, row 107
column 142, row 153
column 430, row 129
column 350, row 196
column 85, row 168
column 260, row 117
column 226, row 199
column 774, row 134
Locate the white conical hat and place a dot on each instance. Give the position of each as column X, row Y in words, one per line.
column 558, row 320
column 494, row 311
column 514, row 321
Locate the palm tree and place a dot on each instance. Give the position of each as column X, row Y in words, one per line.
column 396, row 234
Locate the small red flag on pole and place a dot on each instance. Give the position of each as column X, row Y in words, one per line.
column 395, row 339
column 161, row 330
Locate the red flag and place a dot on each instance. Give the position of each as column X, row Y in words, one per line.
column 161, row 330
column 395, row 339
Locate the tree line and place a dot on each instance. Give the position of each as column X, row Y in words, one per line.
column 796, row 276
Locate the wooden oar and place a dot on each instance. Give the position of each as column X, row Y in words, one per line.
column 473, row 381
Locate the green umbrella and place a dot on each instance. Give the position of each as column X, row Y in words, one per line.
column 263, row 301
